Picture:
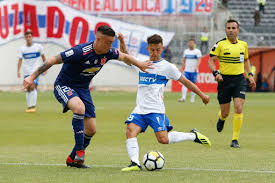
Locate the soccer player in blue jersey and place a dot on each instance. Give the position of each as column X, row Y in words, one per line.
column 150, row 109
column 71, row 88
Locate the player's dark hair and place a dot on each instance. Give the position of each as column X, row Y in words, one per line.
column 154, row 39
column 105, row 30
column 232, row 21
column 28, row 32
column 192, row 40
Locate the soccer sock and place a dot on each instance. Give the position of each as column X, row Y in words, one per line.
column 237, row 124
column 133, row 149
column 220, row 116
column 183, row 91
column 33, row 97
column 175, row 137
column 193, row 96
column 78, row 128
column 87, row 140
column 28, row 98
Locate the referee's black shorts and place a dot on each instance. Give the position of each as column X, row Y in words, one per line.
column 231, row 86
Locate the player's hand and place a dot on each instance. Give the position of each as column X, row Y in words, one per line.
column 145, row 65
column 18, row 74
column 205, row 99
column 120, row 37
column 27, row 82
column 252, row 82
column 219, row 78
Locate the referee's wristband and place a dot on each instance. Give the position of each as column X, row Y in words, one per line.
column 215, row 73
column 250, row 74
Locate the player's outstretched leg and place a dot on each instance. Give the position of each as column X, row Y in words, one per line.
column 200, row 138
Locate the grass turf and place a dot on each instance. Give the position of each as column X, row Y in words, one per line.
column 44, row 139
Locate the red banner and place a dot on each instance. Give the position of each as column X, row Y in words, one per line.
column 205, row 80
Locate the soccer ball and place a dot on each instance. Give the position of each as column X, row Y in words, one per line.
column 153, row 160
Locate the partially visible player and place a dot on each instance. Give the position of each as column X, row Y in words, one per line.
column 190, row 64
column 71, row 88
column 30, row 54
column 150, row 109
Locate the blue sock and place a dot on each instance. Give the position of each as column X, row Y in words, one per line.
column 78, row 128
column 87, row 140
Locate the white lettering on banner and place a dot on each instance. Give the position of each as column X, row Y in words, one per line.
column 206, row 78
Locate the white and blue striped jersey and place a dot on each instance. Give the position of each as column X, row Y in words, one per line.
column 191, row 61
column 151, row 87
column 31, row 56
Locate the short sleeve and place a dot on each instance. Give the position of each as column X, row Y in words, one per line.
column 20, row 54
column 215, row 50
column 114, row 54
column 246, row 51
column 199, row 54
column 173, row 72
column 73, row 55
column 41, row 50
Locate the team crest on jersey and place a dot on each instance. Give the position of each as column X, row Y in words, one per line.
column 95, row 62
column 69, row 53
column 87, row 49
column 103, row 61
column 69, row 93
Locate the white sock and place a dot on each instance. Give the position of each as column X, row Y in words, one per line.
column 33, row 96
column 28, row 98
column 133, row 149
column 175, row 137
column 183, row 91
column 193, row 95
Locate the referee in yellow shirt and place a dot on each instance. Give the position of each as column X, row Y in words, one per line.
column 233, row 62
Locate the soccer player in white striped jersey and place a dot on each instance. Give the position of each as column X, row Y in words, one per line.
column 29, row 55
column 190, row 64
column 150, row 108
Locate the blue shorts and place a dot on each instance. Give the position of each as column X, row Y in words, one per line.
column 157, row 121
column 192, row 76
column 35, row 81
column 64, row 93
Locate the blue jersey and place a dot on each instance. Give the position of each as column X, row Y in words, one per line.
column 81, row 64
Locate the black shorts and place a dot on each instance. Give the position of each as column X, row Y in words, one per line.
column 231, row 86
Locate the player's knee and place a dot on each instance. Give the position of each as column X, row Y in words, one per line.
column 130, row 133
column 79, row 108
column 163, row 140
column 225, row 114
column 90, row 132
column 238, row 110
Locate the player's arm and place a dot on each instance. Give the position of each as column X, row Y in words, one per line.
column 212, row 67
column 44, row 67
column 191, row 86
column 183, row 64
column 198, row 64
column 247, row 70
column 128, row 59
column 19, row 67
column 122, row 46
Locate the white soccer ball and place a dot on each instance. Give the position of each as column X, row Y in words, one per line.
column 153, row 160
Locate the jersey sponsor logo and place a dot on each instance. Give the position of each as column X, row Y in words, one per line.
column 87, row 49
column 90, row 71
column 148, row 79
column 69, row 53
column 31, row 55
column 191, row 56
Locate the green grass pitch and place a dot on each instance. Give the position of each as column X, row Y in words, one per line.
column 33, row 147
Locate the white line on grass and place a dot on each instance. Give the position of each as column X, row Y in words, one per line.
column 118, row 166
